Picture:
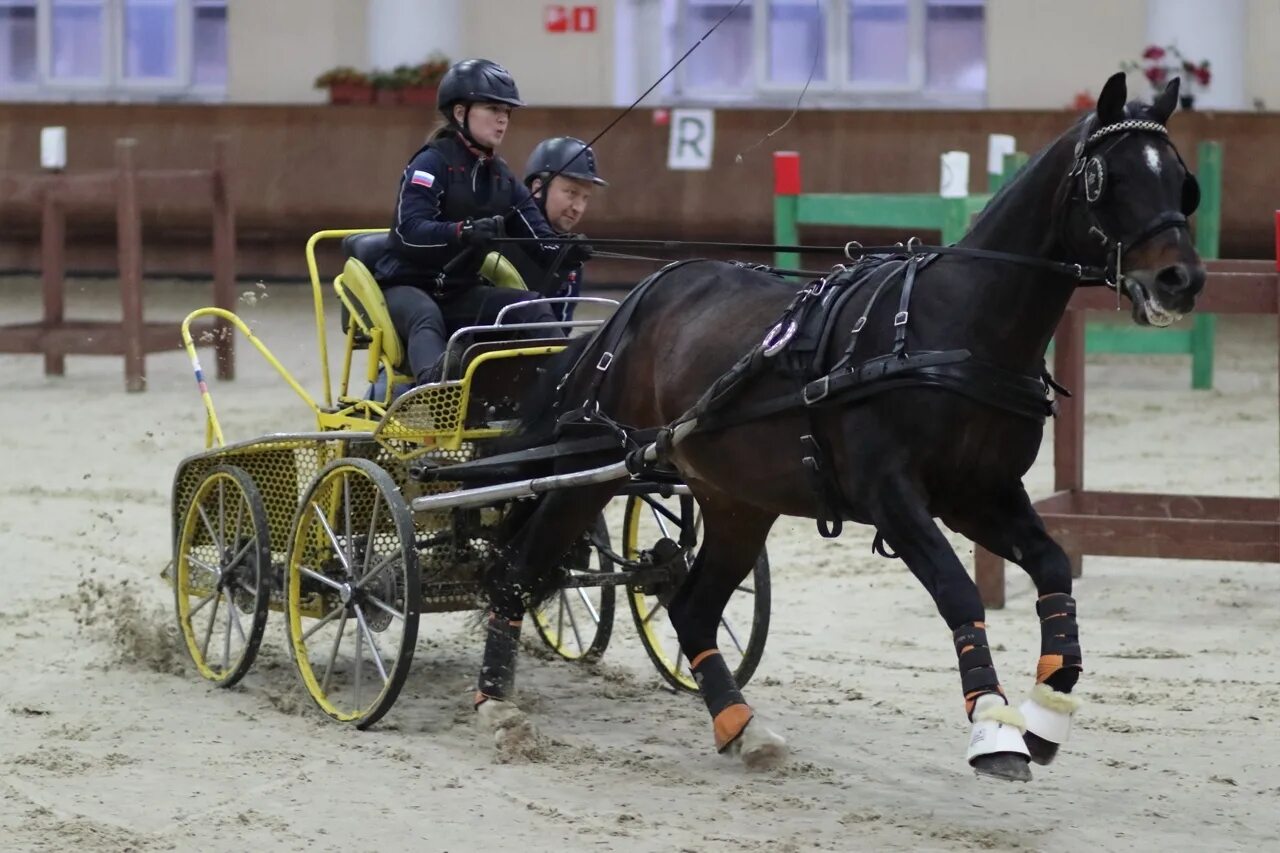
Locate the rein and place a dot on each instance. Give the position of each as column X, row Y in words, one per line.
column 852, row 250
column 1087, row 173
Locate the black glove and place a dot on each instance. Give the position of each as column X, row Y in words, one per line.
column 580, row 251
column 480, row 233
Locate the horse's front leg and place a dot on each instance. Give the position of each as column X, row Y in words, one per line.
column 900, row 513
column 733, row 536
column 1011, row 528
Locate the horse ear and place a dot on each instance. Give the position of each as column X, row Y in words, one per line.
column 1111, row 101
column 1162, row 107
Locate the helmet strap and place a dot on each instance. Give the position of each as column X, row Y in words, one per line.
column 465, row 131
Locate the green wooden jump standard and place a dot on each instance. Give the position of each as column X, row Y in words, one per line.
column 951, row 216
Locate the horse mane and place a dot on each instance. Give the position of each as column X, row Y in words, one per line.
column 1005, row 192
column 1084, row 124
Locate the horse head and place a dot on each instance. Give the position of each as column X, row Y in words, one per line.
column 1127, row 199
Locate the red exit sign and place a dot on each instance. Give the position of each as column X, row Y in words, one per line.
column 570, row 19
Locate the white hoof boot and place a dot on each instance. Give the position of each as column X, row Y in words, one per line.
column 759, row 747
column 512, row 731
column 1048, row 714
column 996, row 747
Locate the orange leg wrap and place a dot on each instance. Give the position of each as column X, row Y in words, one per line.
column 729, row 723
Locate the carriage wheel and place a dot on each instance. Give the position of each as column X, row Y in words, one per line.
column 577, row 622
column 652, row 525
column 353, row 569
column 222, row 576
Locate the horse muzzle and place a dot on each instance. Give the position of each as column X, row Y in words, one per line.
column 1161, row 298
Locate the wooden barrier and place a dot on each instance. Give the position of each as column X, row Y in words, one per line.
column 951, row 217
column 793, row 208
column 1119, row 524
column 132, row 337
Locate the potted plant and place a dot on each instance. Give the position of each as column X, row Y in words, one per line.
column 346, row 85
column 386, row 88
column 1158, row 64
column 422, row 81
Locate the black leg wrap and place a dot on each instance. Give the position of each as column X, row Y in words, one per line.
column 719, row 690
column 498, row 671
column 1061, row 661
column 977, row 671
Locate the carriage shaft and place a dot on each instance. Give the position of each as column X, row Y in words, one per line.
column 487, row 495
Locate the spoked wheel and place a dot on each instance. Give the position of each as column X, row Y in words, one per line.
column 222, row 578
column 353, row 569
column 651, row 532
column 577, row 622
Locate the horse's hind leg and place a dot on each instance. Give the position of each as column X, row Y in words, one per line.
column 996, row 746
column 1011, row 528
column 533, row 551
column 733, row 536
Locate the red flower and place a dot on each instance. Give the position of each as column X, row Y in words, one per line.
column 1156, row 75
column 1083, row 101
column 1153, row 52
column 1202, row 74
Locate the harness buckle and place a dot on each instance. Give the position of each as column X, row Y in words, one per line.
column 605, row 361
column 900, row 319
column 857, row 327
column 823, row 386
column 778, row 337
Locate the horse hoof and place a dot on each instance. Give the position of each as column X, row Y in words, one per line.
column 1042, row 751
column 760, row 748
column 494, row 714
column 1048, row 714
column 1008, row 766
column 514, row 734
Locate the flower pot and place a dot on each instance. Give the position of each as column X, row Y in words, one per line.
column 1188, row 102
column 419, row 95
column 350, row 93
column 386, row 97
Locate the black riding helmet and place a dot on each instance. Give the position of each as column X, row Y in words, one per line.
column 476, row 80
column 565, row 156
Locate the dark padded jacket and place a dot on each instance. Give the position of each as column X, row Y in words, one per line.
column 446, row 183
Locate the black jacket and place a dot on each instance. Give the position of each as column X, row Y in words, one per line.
column 540, row 272
column 446, row 183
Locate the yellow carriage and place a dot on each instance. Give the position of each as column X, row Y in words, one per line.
column 322, row 525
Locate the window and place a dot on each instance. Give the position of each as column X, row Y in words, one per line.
column 897, row 51
column 879, row 42
column 112, row 49
column 956, row 45
column 76, row 52
column 209, row 56
column 150, row 39
column 797, row 42
column 728, row 68
column 17, row 42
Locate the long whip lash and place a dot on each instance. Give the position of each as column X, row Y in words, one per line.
column 813, row 67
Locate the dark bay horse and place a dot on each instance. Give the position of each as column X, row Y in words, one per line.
column 1111, row 192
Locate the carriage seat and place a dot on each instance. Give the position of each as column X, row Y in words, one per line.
column 360, row 294
column 359, row 291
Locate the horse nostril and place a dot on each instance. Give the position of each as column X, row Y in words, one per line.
column 1195, row 279
column 1178, row 278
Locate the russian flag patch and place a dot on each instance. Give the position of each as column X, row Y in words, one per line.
column 422, row 179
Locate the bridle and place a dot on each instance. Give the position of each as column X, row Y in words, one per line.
column 1090, row 183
